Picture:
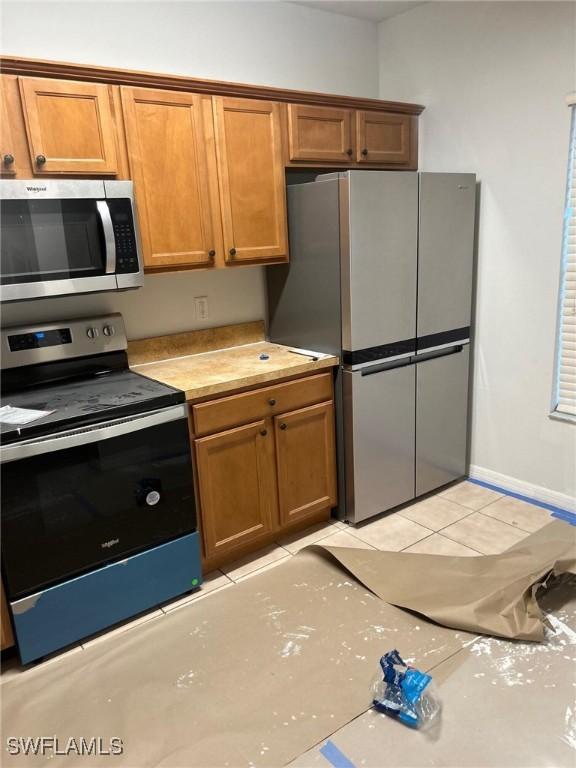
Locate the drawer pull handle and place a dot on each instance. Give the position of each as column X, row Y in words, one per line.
column 40, row 159
column 282, row 425
column 8, row 159
column 232, row 251
column 212, row 253
column 364, row 153
column 272, row 401
column 263, row 432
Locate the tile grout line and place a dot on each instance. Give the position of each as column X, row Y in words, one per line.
column 515, row 527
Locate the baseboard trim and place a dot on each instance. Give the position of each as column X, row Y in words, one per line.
column 535, row 494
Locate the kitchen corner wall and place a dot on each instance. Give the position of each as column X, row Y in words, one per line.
column 265, row 43
column 493, row 77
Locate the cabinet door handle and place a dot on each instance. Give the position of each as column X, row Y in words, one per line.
column 232, row 251
column 349, row 152
column 8, row 159
column 364, row 152
column 212, row 253
column 263, row 432
column 40, row 159
column 282, row 425
column 271, row 401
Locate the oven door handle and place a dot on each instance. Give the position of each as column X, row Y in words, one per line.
column 109, row 239
column 92, row 434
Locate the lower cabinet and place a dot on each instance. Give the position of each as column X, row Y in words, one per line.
column 237, row 486
column 274, row 473
column 305, row 461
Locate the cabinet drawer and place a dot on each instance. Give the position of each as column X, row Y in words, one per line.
column 227, row 412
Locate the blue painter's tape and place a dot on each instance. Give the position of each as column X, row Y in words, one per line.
column 567, row 517
column 338, row 759
column 557, row 511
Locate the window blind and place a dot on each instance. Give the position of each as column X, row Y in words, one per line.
column 565, row 395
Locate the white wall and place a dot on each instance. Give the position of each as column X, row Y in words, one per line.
column 268, row 43
column 493, row 77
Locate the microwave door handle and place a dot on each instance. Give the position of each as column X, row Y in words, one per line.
column 109, row 239
column 85, row 435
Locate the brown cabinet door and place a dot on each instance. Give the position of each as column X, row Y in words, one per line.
column 236, row 478
column 305, row 458
column 7, row 147
column 167, row 153
column 251, row 175
column 6, row 636
column 320, row 134
column 384, row 137
column 70, row 127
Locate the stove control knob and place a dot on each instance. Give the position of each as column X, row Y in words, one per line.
column 152, row 498
column 92, row 333
column 108, row 330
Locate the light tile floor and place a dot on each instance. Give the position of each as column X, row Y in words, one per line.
column 465, row 519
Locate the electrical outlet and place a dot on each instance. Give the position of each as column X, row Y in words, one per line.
column 201, row 307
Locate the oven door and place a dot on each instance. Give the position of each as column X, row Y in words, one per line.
column 76, row 500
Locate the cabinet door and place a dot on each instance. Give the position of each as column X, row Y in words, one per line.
column 305, row 461
column 6, row 636
column 70, row 127
column 167, row 153
column 252, row 186
column 7, row 147
column 383, row 137
column 236, row 478
column 14, row 158
column 320, row 134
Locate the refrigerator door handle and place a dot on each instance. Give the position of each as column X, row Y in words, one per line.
column 435, row 354
column 384, row 366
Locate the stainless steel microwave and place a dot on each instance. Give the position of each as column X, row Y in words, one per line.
column 59, row 238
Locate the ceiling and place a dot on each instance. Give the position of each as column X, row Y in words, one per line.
column 372, row 10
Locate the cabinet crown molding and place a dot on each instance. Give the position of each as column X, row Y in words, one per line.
column 28, row 67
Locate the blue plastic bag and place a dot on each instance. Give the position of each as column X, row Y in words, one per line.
column 405, row 693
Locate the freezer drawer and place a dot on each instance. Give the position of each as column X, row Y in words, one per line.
column 445, row 253
column 379, row 432
column 441, row 419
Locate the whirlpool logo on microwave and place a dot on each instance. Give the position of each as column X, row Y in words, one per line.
column 110, row 544
column 36, row 189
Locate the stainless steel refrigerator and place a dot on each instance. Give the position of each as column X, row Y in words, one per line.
column 381, row 275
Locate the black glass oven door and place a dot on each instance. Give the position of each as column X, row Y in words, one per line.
column 48, row 240
column 93, row 497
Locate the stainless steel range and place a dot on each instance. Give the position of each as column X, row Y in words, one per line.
column 98, row 507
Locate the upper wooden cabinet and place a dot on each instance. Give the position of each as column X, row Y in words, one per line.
column 7, row 146
column 14, row 158
column 251, row 176
column 168, row 158
column 320, row 134
column 70, row 127
column 384, row 138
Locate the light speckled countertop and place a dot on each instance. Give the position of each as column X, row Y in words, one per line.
column 225, row 370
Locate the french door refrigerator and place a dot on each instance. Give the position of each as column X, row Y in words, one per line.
column 381, row 275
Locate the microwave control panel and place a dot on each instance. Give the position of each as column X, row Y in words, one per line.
column 124, row 235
